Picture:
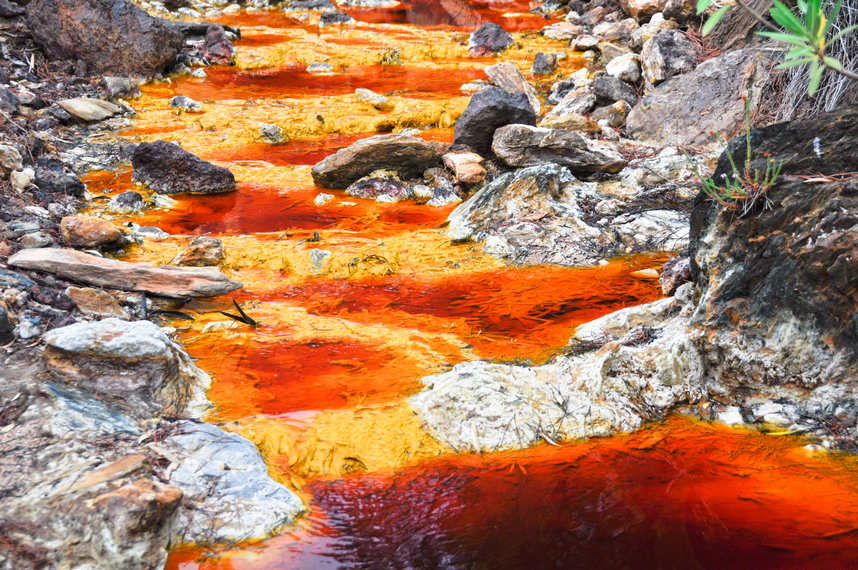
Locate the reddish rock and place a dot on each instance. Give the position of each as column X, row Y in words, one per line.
column 88, row 231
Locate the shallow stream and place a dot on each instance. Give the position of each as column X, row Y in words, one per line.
column 358, row 300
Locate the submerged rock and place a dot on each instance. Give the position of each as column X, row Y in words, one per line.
column 167, row 168
column 229, row 496
column 488, row 110
column 133, row 365
column 166, row 281
column 109, row 36
column 407, row 155
column 523, row 145
column 203, row 251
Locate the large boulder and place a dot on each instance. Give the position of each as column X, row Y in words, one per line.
column 667, row 54
column 131, row 364
column 523, row 145
column 229, row 495
column 109, row 36
column 488, row 110
column 686, row 109
column 164, row 281
column 779, row 288
column 407, row 155
column 167, row 168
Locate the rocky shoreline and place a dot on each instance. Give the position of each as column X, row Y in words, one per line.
column 101, row 408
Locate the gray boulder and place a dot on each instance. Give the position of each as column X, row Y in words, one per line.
column 524, row 145
column 488, row 39
column 488, row 110
column 667, row 54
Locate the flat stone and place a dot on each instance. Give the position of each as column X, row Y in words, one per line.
column 167, row 168
column 89, row 109
column 88, row 231
column 96, row 302
column 165, row 281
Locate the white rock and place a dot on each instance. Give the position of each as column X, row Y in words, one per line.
column 625, row 68
column 322, row 199
column 89, row 109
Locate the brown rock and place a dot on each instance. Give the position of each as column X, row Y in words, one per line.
column 96, row 302
column 509, row 78
column 201, row 252
column 89, row 109
column 676, row 271
column 642, row 10
column 467, row 167
column 88, row 231
column 165, row 281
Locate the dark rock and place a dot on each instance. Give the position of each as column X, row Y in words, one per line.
column 8, row 101
column 10, row 10
column 523, row 145
column 406, row 155
column 52, row 177
column 334, row 18
column 609, row 89
column 680, row 11
column 15, row 280
column 109, row 36
column 380, row 187
column 488, row 39
column 6, row 328
column 667, row 54
column 675, row 272
column 560, row 89
column 709, row 99
column 544, row 64
column 321, row 5
column 218, row 49
column 126, row 202
column 166, row 168
column 779, row 288
column 488, row 110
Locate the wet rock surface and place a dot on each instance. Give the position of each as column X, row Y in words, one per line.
column 167, row 168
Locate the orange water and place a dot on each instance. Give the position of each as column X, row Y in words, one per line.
column 337, row 344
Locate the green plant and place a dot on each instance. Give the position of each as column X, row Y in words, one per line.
column 742, row 190
column 806, row 31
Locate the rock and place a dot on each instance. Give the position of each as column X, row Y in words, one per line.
column 10, row 10
column 641, row 10
column 404, row 154
column 651, row 230
column 509, row 78
column 133, row 365
column 625, row 68
column 96, row 302
column 166, row 168
column 382, row 186
column 116, row 87
column 109, row 36
column 667, row 54
column 544, row 64
column 319, row 5
column 321, row 199
column 6, row 328
column 10, row 159
column 185, row 104
column 89, row 109
column 380, row 102
column 467, row 167
column 778, row 288
column 21, row 179
column 481, row 406
column 562, row 31
column 585, row 42
column 320, row 67
column 51, row 176
column 614, row 115
column 165, row 281
column 610, row 31
column 676, row 272
column 217, row 49
column 608, row 89
column 335, row 18
column 488, row 39
column 8, row 101
column 487, row 111
column 709, row 99
column 649, row 30
column 128, row 202
column 570, row 122
column 681, row 11
column 35, row 239
column 575, row 103
column 203, row 251
column 523, row 145
column 229, row 496
column 88, row 231
column 272, row 133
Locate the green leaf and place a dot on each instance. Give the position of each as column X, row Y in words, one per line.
column 714, row 19
column 811, row 18
column 796, row 62
column 842, row 33
column 832, row 16
column 832, row 63
column 702, row 5
column 787, row 19
column 786, row 38
column 816, row 72
column 800, row 51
